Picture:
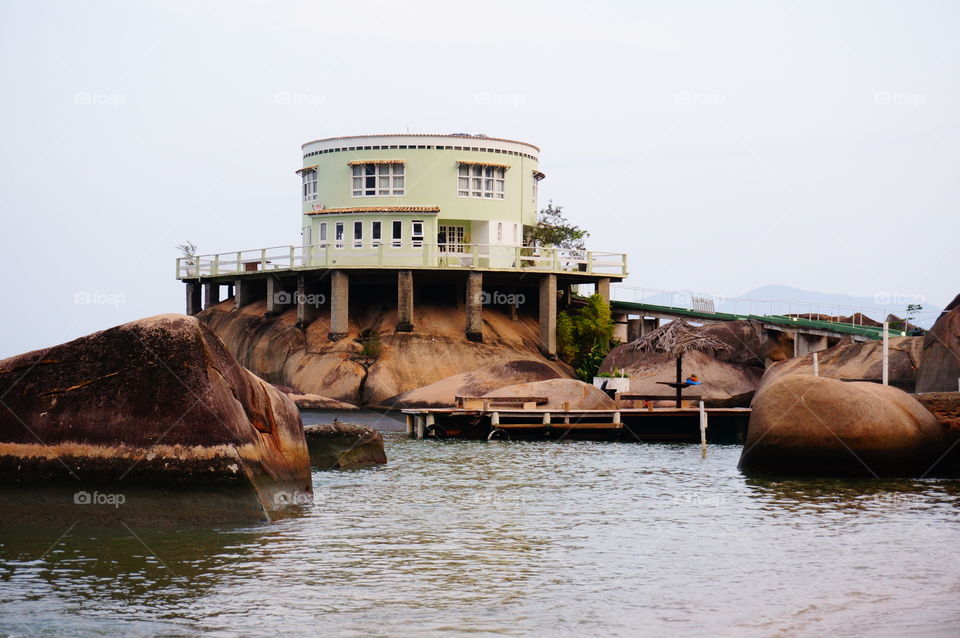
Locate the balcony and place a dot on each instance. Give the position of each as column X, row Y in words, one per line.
column 413, row 255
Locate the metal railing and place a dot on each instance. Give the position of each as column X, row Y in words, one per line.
column 411, row 254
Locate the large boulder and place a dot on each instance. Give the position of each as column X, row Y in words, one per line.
column 858, row 362
column 940, row 366
column 275, row 349
column 155, row 413
column 805, row 425
column 722, row 381
column 475, row 383
column 579, row 395
column 341, row 446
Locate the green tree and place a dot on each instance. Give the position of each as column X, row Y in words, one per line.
column 555, row 230
column 584, row 337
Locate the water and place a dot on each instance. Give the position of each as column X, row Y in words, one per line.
column 518, row 539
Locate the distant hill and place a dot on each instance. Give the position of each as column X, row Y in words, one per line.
column 778, row 299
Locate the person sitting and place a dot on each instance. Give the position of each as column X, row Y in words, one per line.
column 693, row 380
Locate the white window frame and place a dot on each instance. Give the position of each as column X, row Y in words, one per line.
column 358, row 236
column 378, row 180
column 481, row 181
column 376, row 232
column 322, row 240
column 309, row 177
column 339, row 228
column 416, row 239
column 454, row 237
column 396, row 240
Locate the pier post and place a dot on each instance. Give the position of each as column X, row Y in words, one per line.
column 405, row 301
column 421, row 426
column 275, row 305
column 548, row 316
column 886, row 353
column 193, row 297
column 475, row 307
column 410, row 428
column 339, row 302
column 703, row 431
column 306, row 302
column 633, row 329
column 603, row 288
column 243, row 295
column 211, row 294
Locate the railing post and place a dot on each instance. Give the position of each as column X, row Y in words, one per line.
column 380, row 253
column 293, row 257
column 516, row 257
column 475, row 254
column 178, row 267
column 589, row 261
column 215, row 266
column 239, row 262
column 263, row 259
column 623, row 268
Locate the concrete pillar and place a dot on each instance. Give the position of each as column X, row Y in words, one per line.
column 633, row 328
column 405, row 301
column 211, row 294
column 806, row 343
column 515, row 306
column 276, row 298
column 193, row 297
column 620, row 327
column 307, row 307
column 245, row 292
column 339, row 304
column 603, row 288
column 475, row 306
column 548, row 316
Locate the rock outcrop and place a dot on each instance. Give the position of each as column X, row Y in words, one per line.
column 579, row 395
column 158, row 412
column 278, row 351
column 858, row 362
column 805, row 425
column 340, row 446
column 940, row 366
column 475, row 383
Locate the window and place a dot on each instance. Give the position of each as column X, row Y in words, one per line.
column 536, row 183
column 499, row 232
column 338, row 235
column 358, row 234
column 515, row 233
column 450, row 239
column 323, row 233
column 309, row 185
column 476, row 180
column 375, row 233
column 397, row 233
column 377, row 180
column 416, row 233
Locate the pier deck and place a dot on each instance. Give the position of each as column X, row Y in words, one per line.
column 724, row 425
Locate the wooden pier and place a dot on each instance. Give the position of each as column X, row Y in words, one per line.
column 676, row 425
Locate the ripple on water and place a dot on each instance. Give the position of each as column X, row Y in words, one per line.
column 517, row 539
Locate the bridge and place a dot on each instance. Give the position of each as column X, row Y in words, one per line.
column 634, row 319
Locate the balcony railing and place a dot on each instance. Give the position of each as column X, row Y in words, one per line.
column 348, row 254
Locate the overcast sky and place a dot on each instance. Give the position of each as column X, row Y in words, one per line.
column 723, row 145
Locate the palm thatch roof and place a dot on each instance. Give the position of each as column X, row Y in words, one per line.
column 676, row 338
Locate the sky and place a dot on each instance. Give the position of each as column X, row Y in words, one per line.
column 723, row 145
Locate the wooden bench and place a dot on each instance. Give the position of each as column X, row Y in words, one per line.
column 486, row 403
column 689, row 400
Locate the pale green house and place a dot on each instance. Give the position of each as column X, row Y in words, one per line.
column 415, row 212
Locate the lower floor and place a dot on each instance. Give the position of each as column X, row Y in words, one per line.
column 329, row 291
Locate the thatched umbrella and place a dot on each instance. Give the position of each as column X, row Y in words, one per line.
column 676, row 338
